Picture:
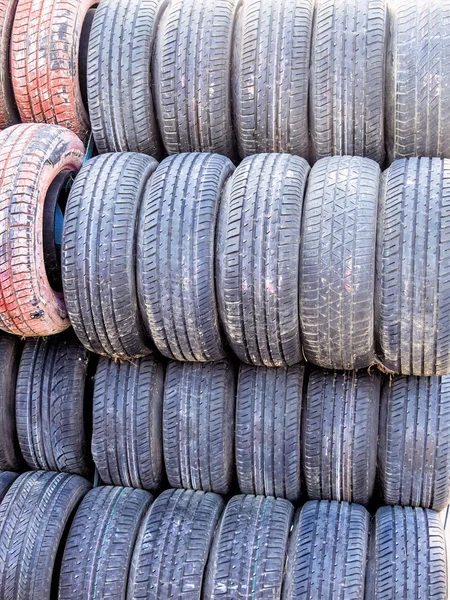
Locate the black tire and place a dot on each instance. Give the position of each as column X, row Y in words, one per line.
column 248, row 553
column 127, row 429
column 418, row 80
column 97, row 555
column 10, row 455
column 347, row 86
column 192, row 76
column 198, row 425
column 407, row 555
column 257, row 258
column 9, row 115
column 412, row 294
column 268, row 424
column 34, row 517
column 340, row 435
column 120, row 80
column 98, row 254
column 173, row 545
column 327, row 552
column 6, row 480
column 270, row 76
column 175, row 256
column 413, row 452
column 337, row 263
column 53, row 413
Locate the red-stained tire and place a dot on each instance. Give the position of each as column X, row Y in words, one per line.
column 31, row 156
column 9, row 114
column 44, row 62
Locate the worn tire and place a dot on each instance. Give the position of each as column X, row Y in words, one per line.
column 98, row 254
column 340, row 435
column 52, row 410
column 34, row 517
column 327, row 553
column 347, row 87
column 9, row 115
column 173, row 545
column 412, row 308
column 337, row 263
column 198, row 425
column 10, row 455
column 192, row 76
column 257, row 258
column 407, row 555
column 99, row 547
column 175, row 256
column 413, row 451
column 31, row 157
column 120, row 80
column 418, row 80
column 127, row 428
column 7, row 478
column 268, row 425
column 248, row 552
column 270, row 76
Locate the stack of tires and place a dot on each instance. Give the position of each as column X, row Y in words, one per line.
column 224, row 298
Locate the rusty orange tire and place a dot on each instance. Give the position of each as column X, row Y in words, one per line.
column 31, row 156
column 8, row 109
column 44, row 62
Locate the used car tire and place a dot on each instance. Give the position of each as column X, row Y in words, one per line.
column 10, row 454
column 7, row 478
column 9, row 115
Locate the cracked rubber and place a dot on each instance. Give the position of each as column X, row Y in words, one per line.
column 10, row 455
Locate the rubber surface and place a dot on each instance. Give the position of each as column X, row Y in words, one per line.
column 347, row 88
column 9, row 115
column 173, row 546
column 175, row 256
column 270, row 76
column 414, row 445
column 34, row 516
column 31, row 156
column 127, row 428
column 52, row 410
column 412, row 309
column 120, row 79
column 327, row 552
column 337, row 263
column 248, row 553
column 10, row 455
column 192, row 76
column 198, row 425
column 97, row 554
column 98, row 254
column 268, row 424
column 257, row 259
column 7, row 478
column 340, row 435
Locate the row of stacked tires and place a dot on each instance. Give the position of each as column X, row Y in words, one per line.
column 311, row 78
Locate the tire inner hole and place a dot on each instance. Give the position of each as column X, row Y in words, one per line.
column 83, row 54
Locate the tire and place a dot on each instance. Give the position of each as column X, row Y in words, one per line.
column 327, row 552
column 52, row 409
column 9, row 115
column 337, row 263
column 412, row 312
column 45, row 62
column 340, row 435
column 98, row 254
column 198, row 425
column 192, row 76
column 120, row 79
column 34, row 518
column 248, row 553
column 6, row 480
column 268, row 423
column 99, row 547
column 270, row 76
column 347, row 86
column 127, row 430
column 31, row 158
column 418, row 80
column 413, row 458
column 10, row 455
column 408, row 557
column 257, row 259
column 173, row 545
column 175, row 256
